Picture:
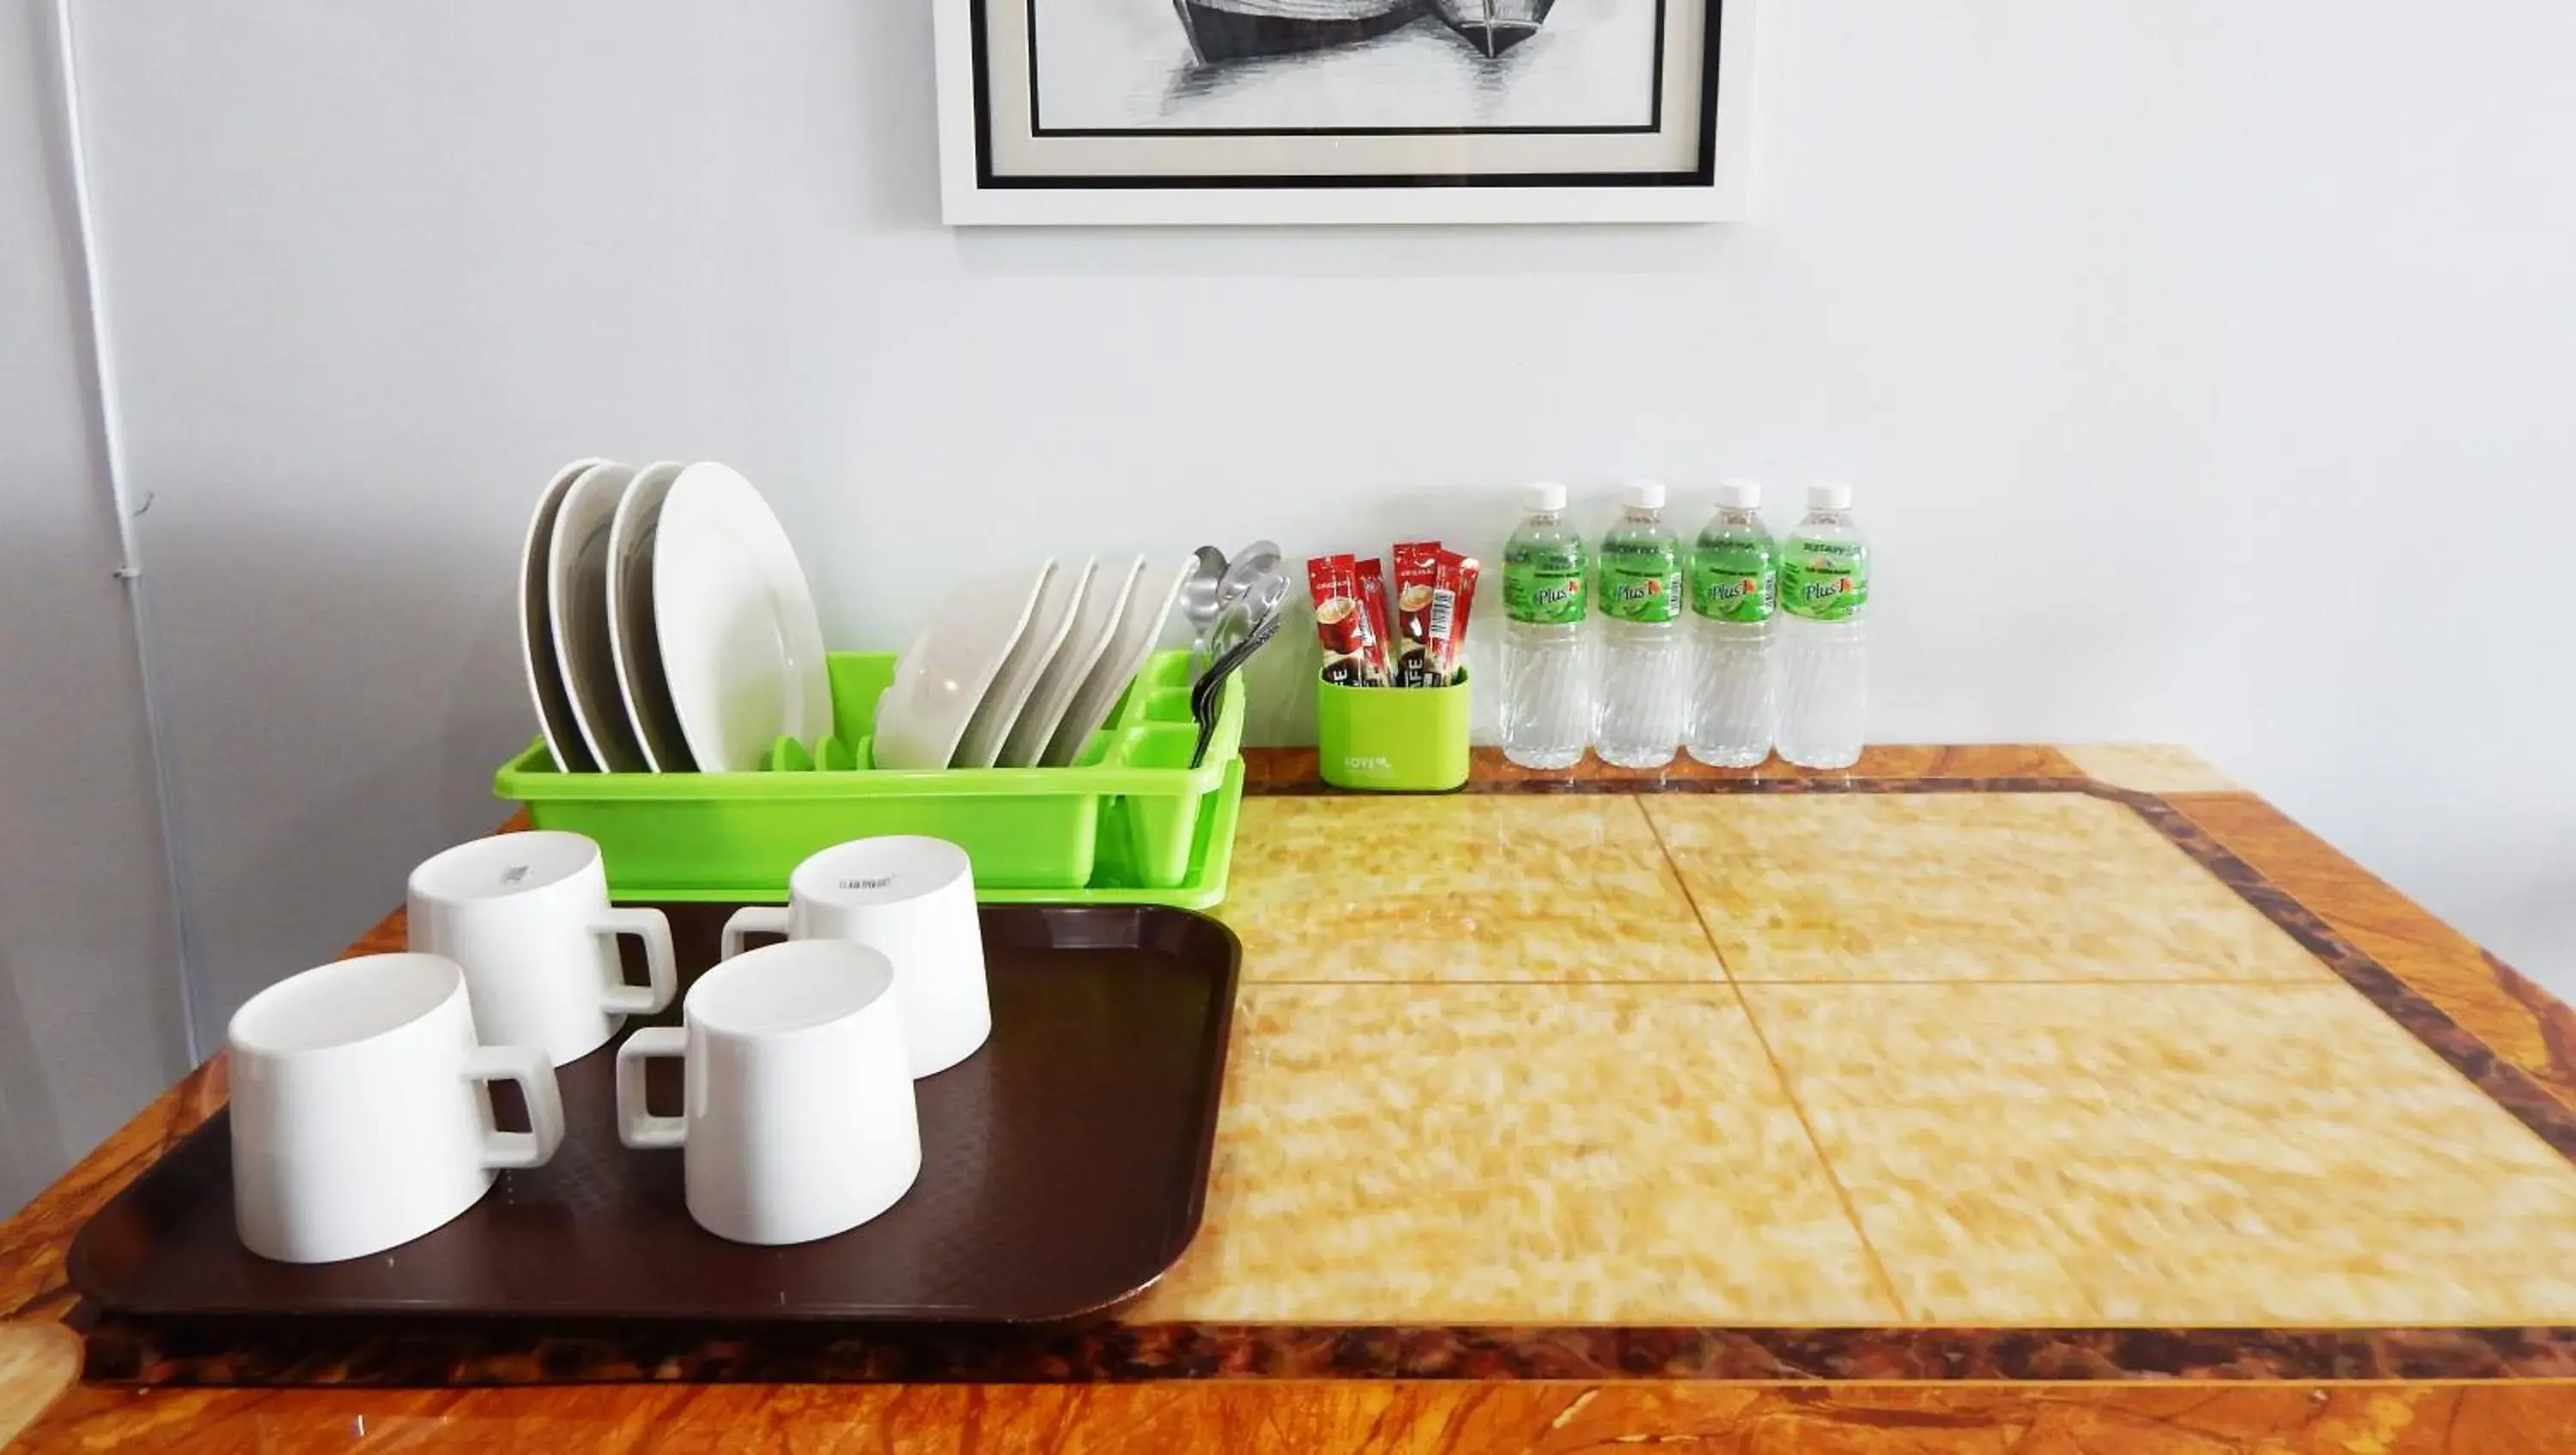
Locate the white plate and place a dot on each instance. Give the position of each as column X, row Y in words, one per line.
column 631, row 630
column 577, row 594
column 537, row 630
column 1095, row 619
column 1140, row 623
column 742, row 651
column 941, row 678
column 1049, row 621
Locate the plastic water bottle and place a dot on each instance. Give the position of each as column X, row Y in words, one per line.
column 1547, row 695
column 1644, row 680
column 1734, row 588
column 1824, row 601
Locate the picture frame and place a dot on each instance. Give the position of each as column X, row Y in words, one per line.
column 1215, row 112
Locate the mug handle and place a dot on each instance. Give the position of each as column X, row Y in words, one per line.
column 637, row 1127
column 660, row 970
column 535, row 1075
column 751, row 919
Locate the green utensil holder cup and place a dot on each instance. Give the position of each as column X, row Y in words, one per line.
column 1392, row 739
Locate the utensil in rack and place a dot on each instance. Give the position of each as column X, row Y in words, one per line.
column 1244, row 614
column 1232, row 626
column 1208, row 697
column 1246, row 567
column 1260, row 601
column 1199, row 599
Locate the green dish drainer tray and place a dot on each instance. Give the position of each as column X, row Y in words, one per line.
column 1131, row 822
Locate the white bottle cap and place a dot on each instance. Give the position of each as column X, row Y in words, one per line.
column 1740, row 494
column 1643, row 495
column 1829, row 495
column 1546, row 497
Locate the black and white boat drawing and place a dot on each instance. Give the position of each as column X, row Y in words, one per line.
column 1494, row 26
column 1348, row 83
column 1236, row 30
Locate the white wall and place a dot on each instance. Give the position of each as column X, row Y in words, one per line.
column 2204, row 368
column 90, row 1027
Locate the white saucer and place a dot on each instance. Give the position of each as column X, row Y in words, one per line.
column 1058, row 594
column 1095, row 620
column 631, row 630
column 1140, row 624
column 742, row 650
column 577, row 594
column 537, row 630
column 941, row 678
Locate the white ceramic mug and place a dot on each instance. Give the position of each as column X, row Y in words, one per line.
column 798, row 1117
column 913, row 898
column 359, row 1115
column 528, row 917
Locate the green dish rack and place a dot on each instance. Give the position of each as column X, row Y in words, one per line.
column 1131, row 822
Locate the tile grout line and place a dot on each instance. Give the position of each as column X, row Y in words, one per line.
column 1833, row 1179
column 1958, row 982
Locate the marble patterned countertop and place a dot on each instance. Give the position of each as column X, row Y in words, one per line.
column 1974, row 1064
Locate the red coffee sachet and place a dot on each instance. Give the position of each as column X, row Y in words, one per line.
column 1372, row 577
column 1341, row 620
column 1416, row 563
column 1453, row 598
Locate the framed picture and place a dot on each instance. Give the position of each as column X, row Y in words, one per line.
column 1272, row 111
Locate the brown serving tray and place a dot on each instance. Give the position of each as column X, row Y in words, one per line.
column 1064, row 1167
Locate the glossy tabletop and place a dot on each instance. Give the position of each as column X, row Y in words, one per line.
column 2045, row 1077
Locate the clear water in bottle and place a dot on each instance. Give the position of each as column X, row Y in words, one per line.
column 1645, row 682
column 1824, row 605
column 1547, row 694
column 1734, row 591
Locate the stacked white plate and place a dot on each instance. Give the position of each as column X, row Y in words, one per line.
column 667, row 628
column 1019, row 672
column 665, row 622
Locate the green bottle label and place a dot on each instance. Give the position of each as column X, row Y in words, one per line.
column 1641, row 581
column 1543, row 583
column 1735, row 581
column 1823, row 580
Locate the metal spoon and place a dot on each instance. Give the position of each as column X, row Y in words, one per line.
column 1247, row 614
column 1233, row 624
column 1207, row 699
column 1199, row 599
column 1260, row 599
column 1247, row 565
